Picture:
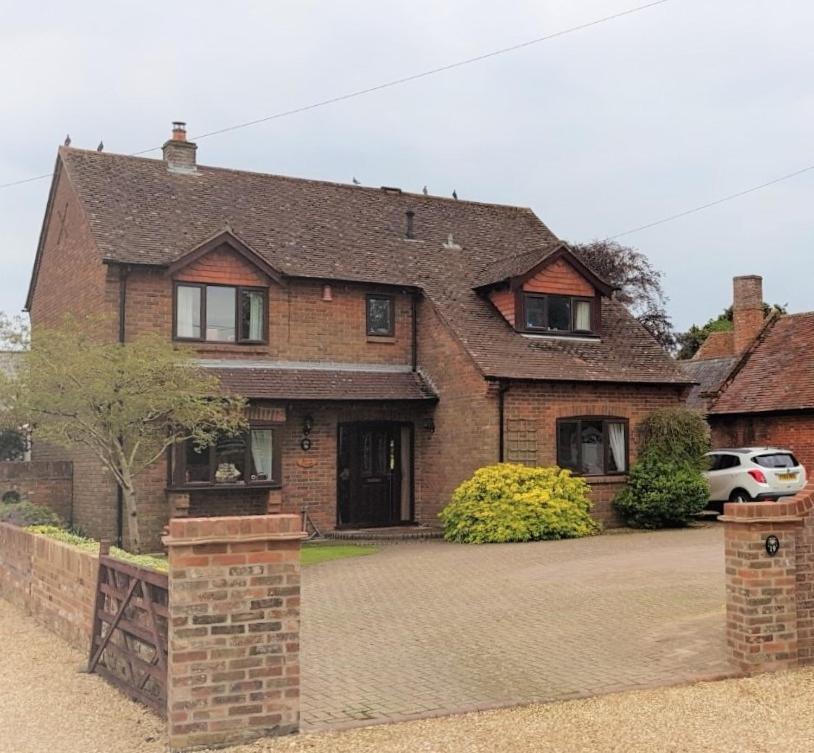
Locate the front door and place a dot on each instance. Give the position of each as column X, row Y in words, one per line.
column 371, row 488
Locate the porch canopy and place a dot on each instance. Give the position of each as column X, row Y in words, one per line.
column 292, row 380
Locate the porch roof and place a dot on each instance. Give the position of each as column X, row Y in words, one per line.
column 275, row 382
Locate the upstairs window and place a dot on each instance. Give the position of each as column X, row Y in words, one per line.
column 252, row 457
column 559, row 314
column 220, row 313
column 381, row 316
column 593, row 446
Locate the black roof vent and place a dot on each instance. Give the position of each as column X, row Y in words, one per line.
column 391, row 189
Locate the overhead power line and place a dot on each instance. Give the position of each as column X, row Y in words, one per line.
column 716, row 202
column 386, row 84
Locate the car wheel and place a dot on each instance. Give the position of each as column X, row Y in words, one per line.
column 739, row 495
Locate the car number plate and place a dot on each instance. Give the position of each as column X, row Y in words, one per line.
column 786, row 476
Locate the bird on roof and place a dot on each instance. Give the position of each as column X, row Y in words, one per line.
column 101, row 146
column 425, row 191
column 356, row 182
column 68, row 139
column 454, row 194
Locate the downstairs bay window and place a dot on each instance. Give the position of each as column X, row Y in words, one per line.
column 592, row 446
column 249, row 458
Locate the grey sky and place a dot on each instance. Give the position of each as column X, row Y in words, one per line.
column 598, row 131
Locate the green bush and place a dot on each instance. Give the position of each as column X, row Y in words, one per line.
column 675, row 435
column 25, row 513
column 511, row 502
column 662, row 493
column 91, row 545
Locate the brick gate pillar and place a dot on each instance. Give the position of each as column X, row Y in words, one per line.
column 769, row 577
column 234, row 607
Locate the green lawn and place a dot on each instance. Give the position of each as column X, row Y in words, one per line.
column 323, row 552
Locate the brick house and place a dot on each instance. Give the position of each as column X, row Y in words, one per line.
column 389, row 343
column 757, row 381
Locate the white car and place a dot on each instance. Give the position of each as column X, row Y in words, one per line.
column 748, row 474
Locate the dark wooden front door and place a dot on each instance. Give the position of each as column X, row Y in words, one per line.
column 370, row 474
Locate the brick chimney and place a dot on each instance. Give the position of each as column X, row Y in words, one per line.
column 747, row 309
column 179, row 154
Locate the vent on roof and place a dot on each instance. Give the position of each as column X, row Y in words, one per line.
column 391, row 189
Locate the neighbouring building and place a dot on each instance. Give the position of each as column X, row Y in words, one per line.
column 390, row 343
column 756, row 383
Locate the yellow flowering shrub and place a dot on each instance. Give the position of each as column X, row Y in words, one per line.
column 513, row 502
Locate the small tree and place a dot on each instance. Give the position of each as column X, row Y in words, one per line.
column 128, row 403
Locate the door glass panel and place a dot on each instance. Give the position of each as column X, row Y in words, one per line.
column 261, row 455
column 220, row 314
column 559, row 313
column 197, row 464
column 367, row 453
column 535, row 312
column 251, row 315
column 593, row 447
column 568, row 445
column 381, row 453
column 230, row 460
column 188, row 312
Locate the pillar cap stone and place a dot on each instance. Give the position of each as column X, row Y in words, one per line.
column 234, row 529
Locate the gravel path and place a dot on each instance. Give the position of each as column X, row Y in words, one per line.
column 757, row 715
column 48, row 706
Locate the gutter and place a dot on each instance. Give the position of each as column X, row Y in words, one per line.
column 124, row 271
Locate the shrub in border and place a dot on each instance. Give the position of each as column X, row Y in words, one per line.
column 512, row 502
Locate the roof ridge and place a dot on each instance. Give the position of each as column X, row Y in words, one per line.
column 296, row 179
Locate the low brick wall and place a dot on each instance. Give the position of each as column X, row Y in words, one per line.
column 770, row 582
column 48, row 483
column 53, row 582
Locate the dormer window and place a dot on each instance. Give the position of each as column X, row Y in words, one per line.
column 557, row 314
column 220, row 313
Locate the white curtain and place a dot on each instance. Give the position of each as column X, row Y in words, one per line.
column 583, row 316
column 255, row 316
column 262, row 452
column 187, row 312
column 616, row 436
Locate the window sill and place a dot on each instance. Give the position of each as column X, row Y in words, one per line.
column 224, row 487
column 381, row 339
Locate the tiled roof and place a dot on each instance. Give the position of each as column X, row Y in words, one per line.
column 513, row 266
column 710, row 374
column 140, row 212
column 778, row 373
column 322, row 384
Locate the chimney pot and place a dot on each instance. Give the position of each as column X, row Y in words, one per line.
column 747, row 309
column 179, row 154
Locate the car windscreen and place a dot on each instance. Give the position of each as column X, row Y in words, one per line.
column 777, row 460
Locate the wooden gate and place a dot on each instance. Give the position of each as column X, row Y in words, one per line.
column 129, row 640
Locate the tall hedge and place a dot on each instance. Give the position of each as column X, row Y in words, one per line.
column 666, row 485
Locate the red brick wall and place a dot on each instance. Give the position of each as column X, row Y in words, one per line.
column 532, row 410
column 44, row 483
column 794, row 432
column 466, row 418
column 53, row 582
column 298, row 316
column 73, row 280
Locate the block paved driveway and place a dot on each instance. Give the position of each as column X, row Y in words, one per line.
column 426, row 628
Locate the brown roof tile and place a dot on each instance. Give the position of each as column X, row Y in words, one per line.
column 141, row 213
column 710, row 373
column 778, row 373
column 323, row 384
